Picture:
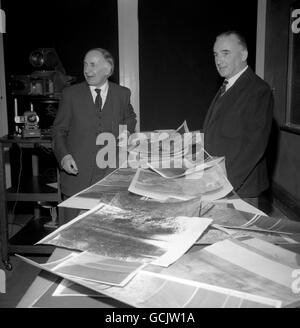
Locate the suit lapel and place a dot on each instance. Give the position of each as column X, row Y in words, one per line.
column 89, row 99
column 108, row 113
column 224, row 101
column 114, row 115
column 111, row 97
column 211, row 109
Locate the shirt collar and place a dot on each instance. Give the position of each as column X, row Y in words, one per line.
column 233, row 79
column 103, row 88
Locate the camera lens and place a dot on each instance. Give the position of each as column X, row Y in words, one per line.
column 31, row 118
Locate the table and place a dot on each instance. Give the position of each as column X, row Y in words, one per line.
column 197, row 267
column 35, row 189
column 45, row 280
column 45, row 284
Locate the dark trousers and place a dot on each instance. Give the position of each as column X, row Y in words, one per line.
column 254, row 201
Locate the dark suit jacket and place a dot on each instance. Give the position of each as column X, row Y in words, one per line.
column 77, row 125
column 237, row 126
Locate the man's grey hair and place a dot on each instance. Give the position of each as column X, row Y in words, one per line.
column 239, row 36
column 107, row 56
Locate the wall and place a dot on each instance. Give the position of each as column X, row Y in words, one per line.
column 71, row 27
column 178, row 78
column 284, row 154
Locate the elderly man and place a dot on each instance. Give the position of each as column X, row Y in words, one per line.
column 86, row 110
column 239, row 119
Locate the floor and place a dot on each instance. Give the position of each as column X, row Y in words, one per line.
column 22, row 275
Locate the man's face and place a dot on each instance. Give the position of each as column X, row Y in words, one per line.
column 230, row 57
column 96, row 69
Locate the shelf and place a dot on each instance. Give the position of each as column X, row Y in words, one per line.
column 32, row 197
column 291, row 129
column 44, row 141
column 23, row 241
column 33, row 189
column 30, row 188
column 51, row 98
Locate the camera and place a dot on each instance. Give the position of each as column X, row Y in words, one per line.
column 31, row 128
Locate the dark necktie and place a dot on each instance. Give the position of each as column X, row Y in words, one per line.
column 219, row 94
column 223, row 87
column 98, row 100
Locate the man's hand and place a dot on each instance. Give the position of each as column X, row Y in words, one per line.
column 69, row 165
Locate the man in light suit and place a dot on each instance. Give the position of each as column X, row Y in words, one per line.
column 239, row 119
column 82, row 116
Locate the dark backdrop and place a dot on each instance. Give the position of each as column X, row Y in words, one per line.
column 177, row 73
column 178, row 78
column 72, row 27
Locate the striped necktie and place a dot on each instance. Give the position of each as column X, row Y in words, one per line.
column 219, row 94
column 223, row 87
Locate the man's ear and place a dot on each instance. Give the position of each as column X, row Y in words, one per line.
column 244, row 55
column 108, row 69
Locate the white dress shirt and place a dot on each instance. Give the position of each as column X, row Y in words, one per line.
column 232, row 80
column 103, row 94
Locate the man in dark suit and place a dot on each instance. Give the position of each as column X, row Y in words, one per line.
column 85, row 112
column 239, row 119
